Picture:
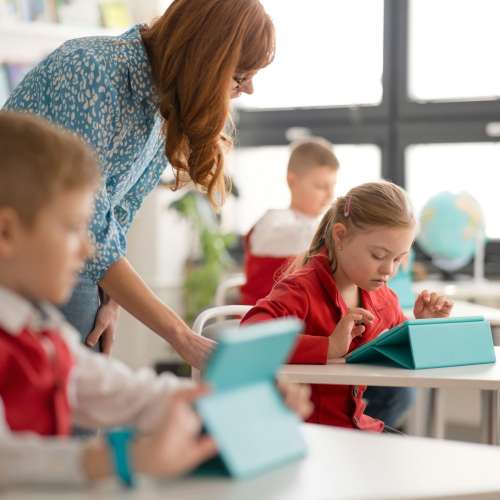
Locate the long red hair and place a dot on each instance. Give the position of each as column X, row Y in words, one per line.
column 195, row 49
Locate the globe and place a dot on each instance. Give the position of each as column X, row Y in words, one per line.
column 451, row 228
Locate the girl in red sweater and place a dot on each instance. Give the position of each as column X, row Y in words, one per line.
column 340, row 291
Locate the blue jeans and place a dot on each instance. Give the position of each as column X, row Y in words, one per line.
column 389, row 404
column 81, row 309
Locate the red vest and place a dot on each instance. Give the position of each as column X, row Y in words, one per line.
column 261, row 274
column 34, row 385
column 310, row 293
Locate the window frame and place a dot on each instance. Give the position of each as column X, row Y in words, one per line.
column 393, row 125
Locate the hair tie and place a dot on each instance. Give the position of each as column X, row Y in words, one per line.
column 347, row 206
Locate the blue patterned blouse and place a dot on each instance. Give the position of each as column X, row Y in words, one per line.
column 101, row 88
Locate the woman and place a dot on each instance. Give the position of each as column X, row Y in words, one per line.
column 155, row 95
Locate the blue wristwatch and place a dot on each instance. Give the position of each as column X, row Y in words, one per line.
column 118, row 440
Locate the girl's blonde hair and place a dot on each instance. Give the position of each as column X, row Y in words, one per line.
column 371, row 204
column 196, row 48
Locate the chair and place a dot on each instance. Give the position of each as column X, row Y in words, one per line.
column 220, row 316
column 233, row 281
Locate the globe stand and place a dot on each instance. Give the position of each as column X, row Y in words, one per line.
column 479, row 258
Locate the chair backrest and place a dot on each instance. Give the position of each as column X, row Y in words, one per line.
column 234, row 281
column 222, row 316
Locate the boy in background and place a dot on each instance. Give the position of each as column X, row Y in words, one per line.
column 282, row 234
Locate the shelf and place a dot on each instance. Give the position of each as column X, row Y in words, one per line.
column 30, row 42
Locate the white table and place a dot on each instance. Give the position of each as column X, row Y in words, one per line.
column 484, row 377
column 341, row 464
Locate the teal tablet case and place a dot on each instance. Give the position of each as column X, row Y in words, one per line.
column 430, row 343
column 244, row 413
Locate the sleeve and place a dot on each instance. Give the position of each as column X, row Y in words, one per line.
column 290, row 299
column 71, row 88
column 104, row 392
column 108, row 235
column 26, row 458
column 279, row 234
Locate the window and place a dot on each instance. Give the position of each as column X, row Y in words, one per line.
column 455, row 167
column 436, row 117
column 329, row 53
column 453, row 50
column 260, row 176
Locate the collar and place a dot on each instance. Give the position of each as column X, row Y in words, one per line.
column 17, row 313
column 373, row 301
column 308, row 218
column 139, row 68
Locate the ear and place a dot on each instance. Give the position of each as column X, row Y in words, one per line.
column 339, row 232
column 291, row 179
column 10, row 226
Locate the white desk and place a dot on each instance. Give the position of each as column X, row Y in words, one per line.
column 341, row 464
column 483, row 377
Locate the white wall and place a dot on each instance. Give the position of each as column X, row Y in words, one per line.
column 158, row 244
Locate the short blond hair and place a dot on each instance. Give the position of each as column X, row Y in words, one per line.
column 311, row 152
column 38, row 161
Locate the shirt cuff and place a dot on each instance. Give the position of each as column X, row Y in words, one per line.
column 28, row 459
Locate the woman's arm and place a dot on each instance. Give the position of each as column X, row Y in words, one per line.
column 122, row 283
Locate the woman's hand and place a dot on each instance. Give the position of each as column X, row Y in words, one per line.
column 105, row 326
column 297, row 398
column 176, row 446
column 193, row 348
column 432, row 305
column 350, row 326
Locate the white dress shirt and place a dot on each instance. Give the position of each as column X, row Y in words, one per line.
column 282, row 233
column 103, row 392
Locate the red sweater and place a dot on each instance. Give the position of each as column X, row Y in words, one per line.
column 261, row 273
column 311, row 295
column 33, row 385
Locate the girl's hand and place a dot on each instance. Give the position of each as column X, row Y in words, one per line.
column 297, row 398
column 432, row 305
column 350, row 326
column 176, row 446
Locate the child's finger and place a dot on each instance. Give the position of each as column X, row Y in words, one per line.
column 439, row 303
column 187, row 395
column 419, row 304
column 298, row 399
column 358, row 330
column 449, row 304
column 364, row 314
column 204, row 448
column 433, row 299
